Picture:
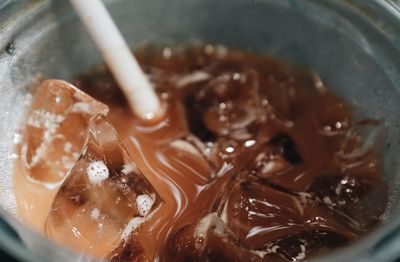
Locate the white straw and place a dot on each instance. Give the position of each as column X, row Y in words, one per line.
column 126, row 70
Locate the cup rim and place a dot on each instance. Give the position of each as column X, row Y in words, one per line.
column 364, row 247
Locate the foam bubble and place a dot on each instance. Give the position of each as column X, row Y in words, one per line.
column 97, row 172
column 132, row 225
column 144, row 203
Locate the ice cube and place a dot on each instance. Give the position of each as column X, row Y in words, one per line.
column 225, row 112
column 56, row 129
column 258, row 211
column 258, row 220
column 275, row 157
column 354, row 190
column 359, row 201
column 208, row 239
column 104, row 199
column 211, row 240
column 304, row 245
column 226, row 105
column 255, row 211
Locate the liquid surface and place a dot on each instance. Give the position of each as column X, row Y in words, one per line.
column 255, row 160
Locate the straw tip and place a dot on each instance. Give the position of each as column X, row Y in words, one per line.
column 152, row 115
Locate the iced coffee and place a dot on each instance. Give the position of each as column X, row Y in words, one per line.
column 254, row 160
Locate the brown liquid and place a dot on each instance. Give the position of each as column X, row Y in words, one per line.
column 267, row 158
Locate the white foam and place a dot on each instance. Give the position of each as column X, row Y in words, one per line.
column 123, row 187
column 128, row 168
column 144, row 203
column 97, row 172
column 131, row 226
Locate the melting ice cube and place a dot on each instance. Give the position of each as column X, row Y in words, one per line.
column 275, row 157
column 209, row 240
column 104, row 199
column 260, row 221
column 256, row 212
column 56, row 129
column 302, row 246
column 225, row 106
column 262, row 215
column 358, row 200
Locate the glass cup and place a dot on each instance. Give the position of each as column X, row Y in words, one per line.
column 353, row 44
